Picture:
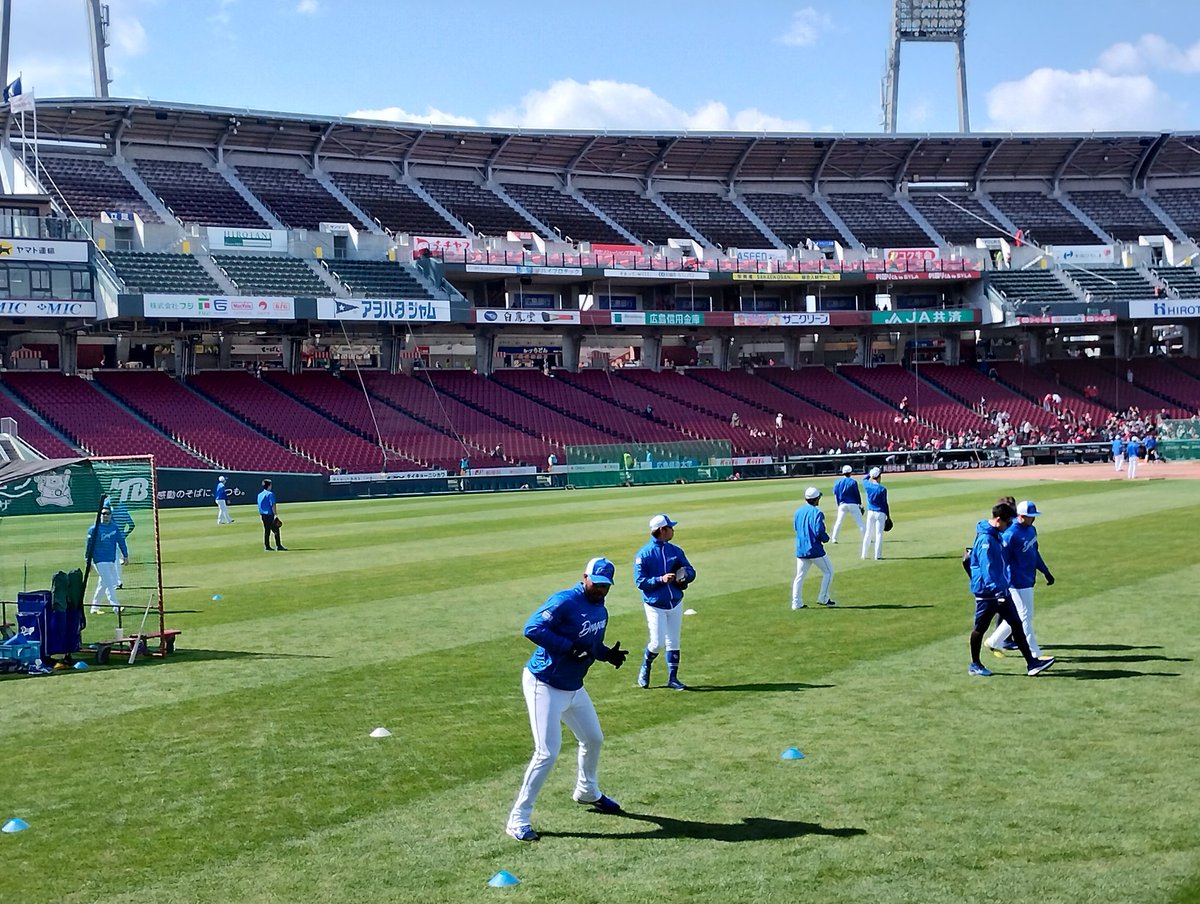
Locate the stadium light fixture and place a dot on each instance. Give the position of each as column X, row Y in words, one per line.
column 927, row 21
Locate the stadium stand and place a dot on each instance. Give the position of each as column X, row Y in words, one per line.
column 1184, row 280
column 794, row 218
column 717, row 219
column 1106, row 284
column 198, row 424
column 1043, row 219
column 297, row 200
column 142, row 271
column 195, row 194
column 927, row 403
column 479, row 208
column 1120, row 216
column 877, row 221
column 562, row 213
column 1039, row 383
column 382, row 279
column 90, row 186
column 1109, row 378
column 1162, row 377
column 94, row 421
column 393, row 204
column 263, row 275
column 968, row 386
column 958, row 217
column 31, row 430
column 1183, row 206
column 1031, row 287
column 639, row 215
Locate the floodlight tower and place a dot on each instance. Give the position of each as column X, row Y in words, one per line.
column 941, row 21
column 97, row 13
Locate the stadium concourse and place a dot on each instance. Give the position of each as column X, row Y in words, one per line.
column 253, row 291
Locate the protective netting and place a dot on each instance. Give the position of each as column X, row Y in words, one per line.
column 1179, row 439
column 618, row 464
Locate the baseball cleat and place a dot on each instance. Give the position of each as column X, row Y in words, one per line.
column 829, row 603
column 643, row 677
column 797, row 605
column 96, row 610
column 676, row 685
column 978, row 671
column 522, row 833
column 1039, row 666
column 602, row 804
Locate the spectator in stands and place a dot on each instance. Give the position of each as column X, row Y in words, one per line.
column 270, row 517
column 464, row 465
column 779, row 421
column 551, row 461
column 735, row 420
column 1129, row 375
column 649, row 411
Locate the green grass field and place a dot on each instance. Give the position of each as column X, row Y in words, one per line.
column 240, row 769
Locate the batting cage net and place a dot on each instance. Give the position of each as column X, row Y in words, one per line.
column 623, row 464
column 59, row 515
column 1179, row 439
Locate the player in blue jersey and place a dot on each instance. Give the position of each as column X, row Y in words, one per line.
column 1133, row 449
column 1024, row 562
column 809, row 522
column 662, row 572
column 270, row 518
column 877, row 512
column 221, row 495
column 122, row 519
column 1118, row 452
column 849, row 501
column 569, row 632
column 103, row 542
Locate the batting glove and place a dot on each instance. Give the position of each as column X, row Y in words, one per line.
column 1049, row 579
column 616, row 656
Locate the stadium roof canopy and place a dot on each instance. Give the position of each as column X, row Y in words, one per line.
column 719, row 156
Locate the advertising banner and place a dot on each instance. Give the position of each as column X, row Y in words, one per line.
column 220, row 238
column 388, row 475
column 47, row 307
column 655, row 274
column 240, row 307
column 1081, row 254
column 438, row 245
column 44, row 251
column 658, row 318
column 502, row 315
column 786, row 277
column 427, row 310
column 782, row 318
column 924, row 276
column 1160, row 309
column 911, row 255
column 1026, row 320
column 924, row 317
column 760, row 254
column 524, row 270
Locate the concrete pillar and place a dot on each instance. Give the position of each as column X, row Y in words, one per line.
column 791, row 351
column 572, row 344
column 291, row 354
column 224, row 352
column 1123, row 343
column 68, row 353
column 1191, row 340
column 485, row 350
column 952, row 353
column 389, row 353
column 863, row 354
column 819, row 350
column 652, row 352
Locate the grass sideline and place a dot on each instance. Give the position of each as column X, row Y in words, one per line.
column 241, row 769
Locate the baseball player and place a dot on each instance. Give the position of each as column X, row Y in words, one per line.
column 103, row 541
column 1133, row 448
column 1024, row 562
column 1118, row 452
column 846, row 495
column 988, row 569
column 221, row 494
column 122, row 519
column 569, row 632
column 662, row 572
column 877, row 512
column 809, row 522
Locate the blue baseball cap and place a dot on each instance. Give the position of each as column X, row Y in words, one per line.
column 600, row 570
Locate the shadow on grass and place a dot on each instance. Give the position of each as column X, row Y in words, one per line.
column 1133, row 658
column 886, row 606
column 1106, row 674
column 751, row 828
column 1103, row 647
column 779, row 687
column 190, row 655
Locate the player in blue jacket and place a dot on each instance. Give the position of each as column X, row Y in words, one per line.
column 103, row 541
column 122, row 519
column 1133, row 449
column 1118, row 452
column 270, row 517
column 809, row 522
column 877, row 512
column 569, row 632
column 221, row 495
column 846, row 495
column 989, row 569
column 662, row 572
column 1024, row 562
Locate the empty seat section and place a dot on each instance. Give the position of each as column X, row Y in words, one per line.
column 289, row 422
column 1184, row 280
column 1043, row 219
column 971, row 387
column 1109, row 378
column 794, row 218
column 377, row 279
column 146, row 272
column 199, row 424
column 958, row 218
column 393, row 204
column 878, row 221
column 1031, row 286
column 717, row 219
column 32, row 432
column 562, row 213
column 926, row 403
column 297, row 200
column 271, row 275
column 1120, row 216
column 1183, row 206
column 479, row 208
column 1163, row 378
column 1107, row 284
column 195, row 194
column 94, row 421
column 640, row 216
column 91, row 185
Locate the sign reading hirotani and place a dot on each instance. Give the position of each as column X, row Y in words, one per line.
column 1166, row 308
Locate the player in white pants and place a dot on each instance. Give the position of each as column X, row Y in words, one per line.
column 1118, row 453
column 1132, row 448
column 1024, row 561
column 662, row 572
column 809, row 522
column 846, row 495
column 103, row 542
column 221, row 495
column 569, row 630
column 877, row 513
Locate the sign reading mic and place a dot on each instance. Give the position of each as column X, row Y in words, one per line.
column 390, row 309
column 218, row 307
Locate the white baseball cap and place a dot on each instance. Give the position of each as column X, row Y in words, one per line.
column 812, row 493
column 1027, row 508
column 221, row 479
column 846, row 469
column 659, row 521
column 875, row 474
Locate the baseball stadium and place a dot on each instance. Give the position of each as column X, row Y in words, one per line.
column 468, row 365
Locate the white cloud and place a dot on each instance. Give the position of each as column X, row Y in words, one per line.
column 804, row 29
column 1054, row 100
column 432, row 116
column 1148, row 52
column 307, row 7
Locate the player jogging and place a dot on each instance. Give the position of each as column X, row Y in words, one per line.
column 569, row 631
column 662, row 572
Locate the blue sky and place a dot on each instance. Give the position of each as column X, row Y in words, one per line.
column 1051, row 65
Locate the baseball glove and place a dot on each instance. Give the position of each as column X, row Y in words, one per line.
column 887, row 525
column 278, row 523
column 681, row 578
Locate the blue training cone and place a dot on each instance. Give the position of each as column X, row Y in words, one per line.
column 217, row 597
column 81, row 665
column 15, row 825
column 502, row 879
column 791, row 753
